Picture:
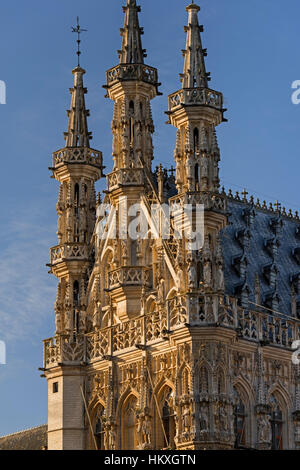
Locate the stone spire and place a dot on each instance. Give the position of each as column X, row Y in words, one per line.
column 194, row 74
column 78, row 134
column 132, row 51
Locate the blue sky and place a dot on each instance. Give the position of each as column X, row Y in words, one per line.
column 253, row 57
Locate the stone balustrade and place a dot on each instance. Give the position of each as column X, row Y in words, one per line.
column 78, row 155
column 134, row 72
column 155, row 327
column 70, row 251
column 125, row 177
column 129, row 276
column 196, row 96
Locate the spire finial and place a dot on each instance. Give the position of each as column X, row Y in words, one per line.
column 194, row 74
column 78, row 134
column 132, row 51
column 78, row 30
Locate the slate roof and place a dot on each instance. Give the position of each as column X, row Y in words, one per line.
column 265, row 244
column 31, row 439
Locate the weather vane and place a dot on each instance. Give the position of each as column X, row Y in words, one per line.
column 78, row 30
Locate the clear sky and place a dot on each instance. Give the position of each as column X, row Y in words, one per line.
column 253, row 57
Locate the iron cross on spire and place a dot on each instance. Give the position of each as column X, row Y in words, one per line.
column 78, row 30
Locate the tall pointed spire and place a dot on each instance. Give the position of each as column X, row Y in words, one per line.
column 78, row 134
column 194, row 74
column 132, row 51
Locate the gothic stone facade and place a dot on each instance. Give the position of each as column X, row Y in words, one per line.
column 158, row 346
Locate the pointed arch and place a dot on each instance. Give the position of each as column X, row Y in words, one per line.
column 244, row 423
column 164, row 418
column 281, row 406
column 184, row 376
column 126, row 413
column 106, row 265
column 220, row 380
column 151, row 304
column 97, row 414
column 204, row 378
column 172, row 293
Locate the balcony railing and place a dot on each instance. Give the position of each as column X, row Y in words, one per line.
column 78, row 155
column 134, row 72
column 72, row 251
column 257, row 327
column 125, row 177
column 129, row 276
column 196, row 96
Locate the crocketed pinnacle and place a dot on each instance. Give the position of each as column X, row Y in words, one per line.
column 78, row 134
column 194, row 74
column 132, row 51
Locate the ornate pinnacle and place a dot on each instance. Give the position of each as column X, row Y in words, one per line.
column 78, row 134
column 132, row 51
column 194, row 74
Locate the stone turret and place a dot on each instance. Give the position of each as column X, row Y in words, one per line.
column 76, row 167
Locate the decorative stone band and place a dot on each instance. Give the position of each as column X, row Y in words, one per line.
column 71, row 251
column 129, row 276
column 210, row 201
column 78, row 155
column 125, row 177
column 134, row 72
column 196, row 96
column 96, row 346
column 154, row 327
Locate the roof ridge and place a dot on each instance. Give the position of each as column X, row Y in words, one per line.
column 24, row 430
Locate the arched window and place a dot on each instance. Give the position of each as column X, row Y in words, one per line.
column 185, row 382
column 196, row 139
column 197, row 177
column 167, row 426
column 276, row 425
column 199, row 273
column 203, row 380
column 76, row 194
column 131, row 127
column 220, row 382
column 239, row 422
column 99, row 429
column 129, row 424
column 76, row 304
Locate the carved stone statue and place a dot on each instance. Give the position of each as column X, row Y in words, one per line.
column 223, row 419
column 83, row 225
column 203, row 419
column 68, row 321
column 264, row 429
column 207, row 272
column 186, row 418
column 112, row 438
column 58, row 322
column 124, row 249
column 161, row 290
column 60, row 227
column 97, row 315
column 180, row 279
column 220, row 277
column 69, row 224
column 192, row 275
column 144, row 431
